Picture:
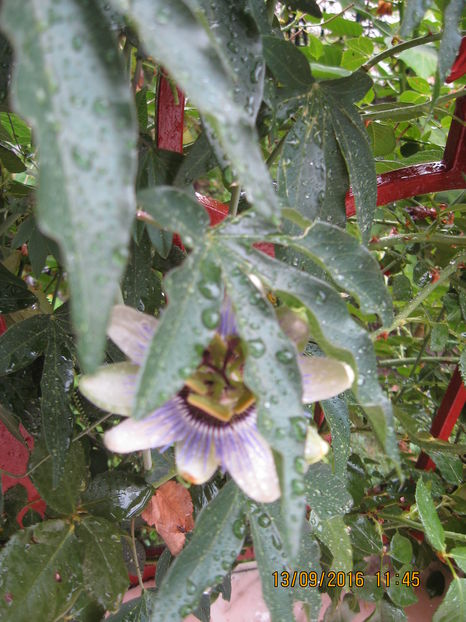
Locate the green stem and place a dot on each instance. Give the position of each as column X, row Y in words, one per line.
column 416, row 109
column 276, row 150
column 409, row 238
column 416, row 360
column 406, row 45
column 57, row 287
column 147, row 459
column 270, row 7
column 234, row 201
column 418, row 526
column 402, row 317
column 135, row 556
column 330, row 19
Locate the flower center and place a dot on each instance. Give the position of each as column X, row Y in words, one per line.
column 217, row 387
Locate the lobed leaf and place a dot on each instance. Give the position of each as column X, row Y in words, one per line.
column 85, row 196
column 429, row 517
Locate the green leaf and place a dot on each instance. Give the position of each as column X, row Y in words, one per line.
column 326, row 493
column 215, row 81
column 462, row 365
column 187, row 325
column 453, row 607
column 9, row 421
column 56, row 384
column 349, row 264
column 23, row 343
column 326, row 72
column 62, row 497
column 271, row 558
column 337, row 334
column 413, row 13
column 141, row 285
column 175, row 210
column 421, row 59
column 341, row 26
column 136, row 610
column 307, row 6
column 450, row 466
column 340, row 95
column 401, row 594
column 429, row 517
column 312, row 176
column 451, row 39
column 104, row 572
column 338, row 418
column 117, row 495
column 14, row 294
column 212, row 550
column 386, row 611
column 459, row 555
column 10, row 161
column 85, row 196
column 401, row 288
column 335, row 535
column 288, row 65
column 270, row 364
column 309, row 557
column 383, row 138
column 198, row 161
column 401, row 549
column 364, row 536
column 40, row 573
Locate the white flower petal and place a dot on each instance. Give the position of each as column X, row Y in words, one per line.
column 323, row 378
column 111, row 388
column 161, row 428
column 249, row 460
column 132, row 331
column 315, row 447
column 196, row 462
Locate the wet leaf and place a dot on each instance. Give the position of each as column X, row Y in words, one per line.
column 104, row 572
column 187, row 325
column 85, row 197
column 23, row 343
column 56, row 384
column 212, row 82
column 401, row 549
column 175, row 210
column 337, row 416
column 270, row 367
column 326, row 493
column 63, row 495
column 429, row 517
column 453, row 607
column 40, row 572
column 14, row 294
column 212, row 550
column 401, row 594
column 116, row 495
column 288, row 65
column 459, row 555
column 10, row 161
column 334, row 534
column 170, row 511
column 271, row 558
column 141, row 285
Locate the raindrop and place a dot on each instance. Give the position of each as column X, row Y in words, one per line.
column 280, row 433
column 256, row 348
column 321, row 197
column 239, row 528
column 264, row 520
column 185, row 611
column 210, row 318
column 191, row 587
column 276, row 542
column 299, row 425
column 209, row 289
column 300, row 465
column 285, row 356
column 100, row 106
column 77, row 42
column 41, row 95
column 256, row 72
column 298, row 486
column 82, row 161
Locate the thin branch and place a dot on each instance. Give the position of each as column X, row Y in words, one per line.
column 135, row 556
column 406, row 45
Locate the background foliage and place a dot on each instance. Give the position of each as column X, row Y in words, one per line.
column 288, row 105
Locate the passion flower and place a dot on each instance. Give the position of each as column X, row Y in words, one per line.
column 212, row 421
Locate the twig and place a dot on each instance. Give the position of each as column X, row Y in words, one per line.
column 135, row 556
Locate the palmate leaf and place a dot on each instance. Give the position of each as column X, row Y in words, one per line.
column 272, row 373
column 349, row 264
column 14, row 294
column 40, row 573
column 195, row 293
column 56, row 384
column 215, row 80
column 104, row 571
column 23, row 343
column 216, row 542
column 85, row 196
column 270, row 554
column 333, row 329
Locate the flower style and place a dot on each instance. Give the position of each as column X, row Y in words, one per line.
column 213, row 419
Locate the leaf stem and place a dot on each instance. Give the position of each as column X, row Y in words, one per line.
column 416, row 109
column 414, row 359
column 402, row 317
column 234, row 201
column 135, row 556
column 409, row 238
column 147, row 459
column 419, row 527
column 406, row 45
column 330, row 19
